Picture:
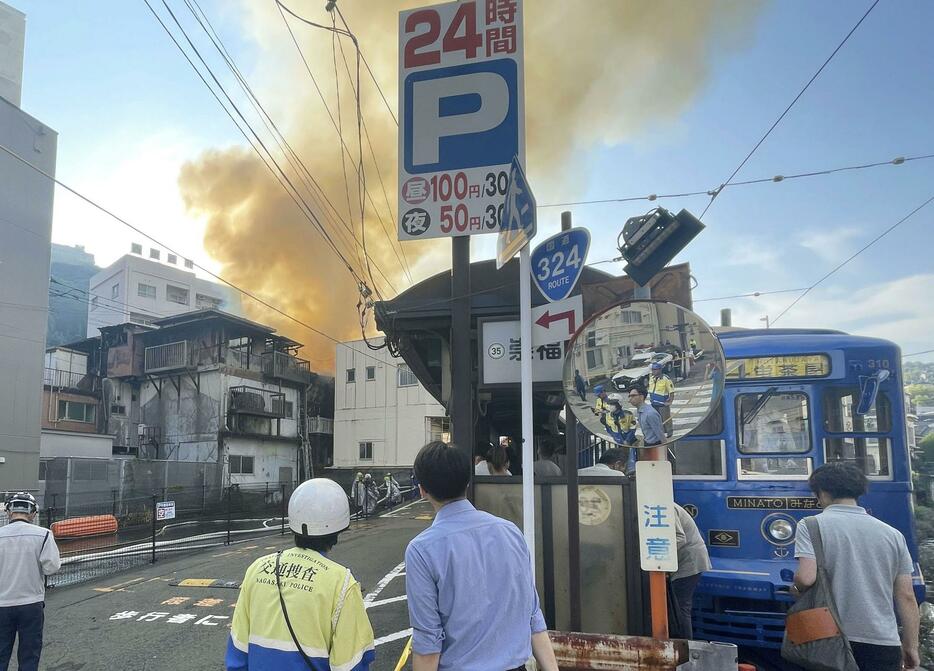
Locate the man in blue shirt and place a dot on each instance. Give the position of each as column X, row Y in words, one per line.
column 472, row 602
column 649, row 420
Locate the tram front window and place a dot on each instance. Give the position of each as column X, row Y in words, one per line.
column 773, row 423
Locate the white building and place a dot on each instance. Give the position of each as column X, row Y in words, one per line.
column 143, row 290
column 382, row 415
column 25, row 243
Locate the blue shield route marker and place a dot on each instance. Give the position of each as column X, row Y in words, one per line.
column 558, row 262
column 518, row 224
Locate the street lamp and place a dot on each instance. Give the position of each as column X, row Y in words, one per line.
column 766, row 320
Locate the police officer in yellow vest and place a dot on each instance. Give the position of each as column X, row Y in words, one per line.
column 298, row 609
column 661, row 395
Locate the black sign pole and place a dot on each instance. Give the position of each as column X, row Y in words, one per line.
column 461, row 399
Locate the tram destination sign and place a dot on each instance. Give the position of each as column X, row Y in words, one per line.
column 772, row 503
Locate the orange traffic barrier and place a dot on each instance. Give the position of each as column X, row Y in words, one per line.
column 82, row 527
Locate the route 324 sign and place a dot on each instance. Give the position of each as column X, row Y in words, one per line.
column 557, row 263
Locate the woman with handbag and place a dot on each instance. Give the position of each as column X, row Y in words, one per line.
column 851, row 568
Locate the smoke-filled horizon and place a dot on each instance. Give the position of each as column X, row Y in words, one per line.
column 596, row 73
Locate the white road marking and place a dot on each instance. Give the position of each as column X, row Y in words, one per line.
column 381, row 585
column 405, row 633
column 393, row 513
column 383, row 602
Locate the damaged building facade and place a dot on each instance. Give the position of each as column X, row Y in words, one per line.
column 206, row 398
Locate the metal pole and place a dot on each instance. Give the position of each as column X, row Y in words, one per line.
column 461, row 401
column 528, row 457
column 574, row 529
column 154, row 498
column 658, row 595
column 228, row 514
column 282, row 510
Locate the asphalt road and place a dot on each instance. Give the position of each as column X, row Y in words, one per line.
column 138, row 620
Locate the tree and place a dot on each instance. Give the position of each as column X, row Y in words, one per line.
column 927, row 448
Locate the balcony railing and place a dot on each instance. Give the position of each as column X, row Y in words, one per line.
column 66, row 379
column 171, row 356
column 258, row 402
column 286, row 367
column 321, row 425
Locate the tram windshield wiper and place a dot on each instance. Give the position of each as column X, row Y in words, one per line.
column 760, row 403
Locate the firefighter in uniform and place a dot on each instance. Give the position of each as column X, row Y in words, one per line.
column 298, row 609
column 661, row 395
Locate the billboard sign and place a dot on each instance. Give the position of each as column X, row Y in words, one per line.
column 461, row 116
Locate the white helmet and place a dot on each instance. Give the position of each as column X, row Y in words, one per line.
column 318, row 507
column 21, row 502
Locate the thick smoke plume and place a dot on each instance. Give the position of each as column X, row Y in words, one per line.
column 597, row 71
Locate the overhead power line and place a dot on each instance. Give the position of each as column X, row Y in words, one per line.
column 854, row 255
column 899, row 160
column 168, row 248
column 278, row 172
column 781, row 116
column 927, row 351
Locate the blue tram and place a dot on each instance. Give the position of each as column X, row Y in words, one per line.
column 793, row 400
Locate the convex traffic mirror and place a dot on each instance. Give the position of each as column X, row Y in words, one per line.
column 649, row 353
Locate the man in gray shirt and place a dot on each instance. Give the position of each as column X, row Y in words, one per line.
column 27, row 554
column 649, row 420
column 693, row 560
column 869, row 568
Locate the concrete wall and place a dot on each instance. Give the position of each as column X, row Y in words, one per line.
column 12, row 46
column 128, row 273
column 380, row 411
column 25, row 232
column 68, row 444
column 269, row 456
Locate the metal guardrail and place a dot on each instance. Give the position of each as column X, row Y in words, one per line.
column 287, row 367
column 171, row 356
column 52, row 377
column 256, row 401
column 321, row 425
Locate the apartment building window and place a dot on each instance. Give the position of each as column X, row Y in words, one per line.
column 240, row 464
column 351, row 375
column 73, row 411
column 138, row 318
column 366, row 450
column 115, row 291
column 203, row 302
column 136, row 248
column 189, row 264
column 43, row 469
column 406, row 376
column 175, row 294
column 173, row 259
column 146, row 291
column 154, row 254
column 282, row 407
column 117, row 409
column 370, row 373
column 439, row 428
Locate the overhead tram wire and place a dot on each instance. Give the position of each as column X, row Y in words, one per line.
column 854, row 255
column 775, row 179
column 314, row 81
column 280, row 175
column 758, row 144
column 927, row 351
column 169, row 249
column 332, row 214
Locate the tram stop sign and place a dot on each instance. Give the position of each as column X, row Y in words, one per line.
column 557, row 263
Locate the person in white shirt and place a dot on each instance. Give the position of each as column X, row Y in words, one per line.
column 28, row 553
column 612, row 464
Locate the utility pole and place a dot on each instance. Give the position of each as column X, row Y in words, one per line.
column 766, row 320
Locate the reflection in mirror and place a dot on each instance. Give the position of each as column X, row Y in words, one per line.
column 643, row 373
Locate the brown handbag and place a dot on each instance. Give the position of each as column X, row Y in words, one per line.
column 813, row 639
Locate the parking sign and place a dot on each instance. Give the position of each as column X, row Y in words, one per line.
column 461, row 115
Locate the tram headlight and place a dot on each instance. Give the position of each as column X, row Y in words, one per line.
column 781, row 530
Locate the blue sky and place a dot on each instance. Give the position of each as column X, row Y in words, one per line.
column 129, row 111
